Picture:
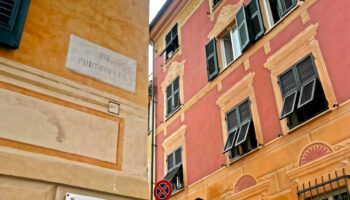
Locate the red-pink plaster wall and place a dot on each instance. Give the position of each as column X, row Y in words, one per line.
column 204, row 138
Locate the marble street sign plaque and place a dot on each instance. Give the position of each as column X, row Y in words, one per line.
column 102, row 64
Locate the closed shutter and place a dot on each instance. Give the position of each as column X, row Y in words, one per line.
column 211, row 57
column 169, row 95
column 257, row 25
column 12, row 18
column 176, row 92
column 285, row 6
column 242, row 27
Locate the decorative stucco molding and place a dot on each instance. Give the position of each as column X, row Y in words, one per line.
column 313, row 152
column 176, row 69
column 258, row 191
column 226, row 17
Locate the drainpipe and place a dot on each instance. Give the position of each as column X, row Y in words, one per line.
column 152, row 133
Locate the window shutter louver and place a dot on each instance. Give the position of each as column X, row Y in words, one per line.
column 211, row 57
column 170, row 161
column 242, row 27
column 306, row 69
column 307, row 92
column 285, row 6
column 288, row 82
column 12, row 17
column 169, row 98
column 178, row 157
column 288, row 104
column 230, row 141
column 232, row 121
column 243, row 132
column 257, row 25
column 244, row 111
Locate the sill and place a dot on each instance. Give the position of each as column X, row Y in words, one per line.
column 245, row 155
column 172, row 56
column 309, row 120
column 229, row 65
column 178, row 191
column 173, row 113
column 280, row 21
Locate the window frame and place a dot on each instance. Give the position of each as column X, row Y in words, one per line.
column 222, row 48
column 298, row 88
column 172, row 97
column 179, row 167
column 232, row 97
column 297, row 48
column 238, row 129
column 269, row 15
column 172, row 40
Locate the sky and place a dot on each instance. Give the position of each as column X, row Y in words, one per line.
column 154, row 7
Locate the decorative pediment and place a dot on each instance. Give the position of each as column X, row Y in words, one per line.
column 226, row 17
column 313, row 152
column 175, row 69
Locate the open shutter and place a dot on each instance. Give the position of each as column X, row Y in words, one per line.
column 230, row 141
column 242, row 27
column 285, row 6
column 257, row 25
column 307, row 92
column 212, row 61
column 289, row 88
column 12, row 18
column 243, row 132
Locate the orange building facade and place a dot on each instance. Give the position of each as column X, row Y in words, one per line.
column 73, row 98
column 252, row 100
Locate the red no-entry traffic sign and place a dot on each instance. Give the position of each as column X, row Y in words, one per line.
column 162, row 191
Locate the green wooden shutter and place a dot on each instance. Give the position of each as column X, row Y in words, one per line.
column 13, row 15
column 285, row 6
column 257, row 25
column 169, row 98
column 212, row 60
column 242, row 27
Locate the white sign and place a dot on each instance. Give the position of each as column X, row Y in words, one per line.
column 70, row 196
column 101, row 64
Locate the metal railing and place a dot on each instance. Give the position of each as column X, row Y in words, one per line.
column 335, row 188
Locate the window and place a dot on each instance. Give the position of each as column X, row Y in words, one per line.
column 175, row 170
column 241, row 134
column 248, row 29
column 171, row 43
column 303, row 96
column 173, row 97
column 277, row 9
column 230, row 47
column 12, row 18
column 215, row 3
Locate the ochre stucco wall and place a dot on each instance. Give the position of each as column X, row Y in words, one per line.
column 120, row 26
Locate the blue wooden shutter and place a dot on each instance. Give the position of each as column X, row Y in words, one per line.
column 242, row 27
column 12, row 17
column 255, row 18
column 212, row 60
